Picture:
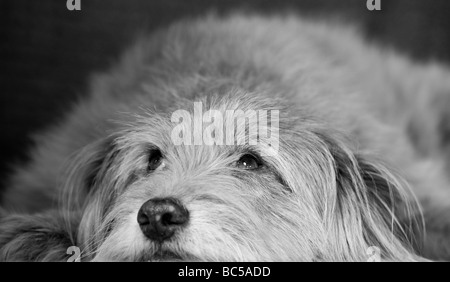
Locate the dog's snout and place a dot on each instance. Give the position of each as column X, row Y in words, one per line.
column 160, row 218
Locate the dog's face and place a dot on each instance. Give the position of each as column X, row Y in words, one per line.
column 145, row 198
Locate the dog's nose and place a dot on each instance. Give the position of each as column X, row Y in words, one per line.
column 159, row 219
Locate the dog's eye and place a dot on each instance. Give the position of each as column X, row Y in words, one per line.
column 248, row 162
column 154, row 160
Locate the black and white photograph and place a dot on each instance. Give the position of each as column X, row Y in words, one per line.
column 225, row 131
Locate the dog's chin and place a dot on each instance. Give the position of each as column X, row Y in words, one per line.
column 168, row 256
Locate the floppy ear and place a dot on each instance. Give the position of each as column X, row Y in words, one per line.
column 92, row 182
column 84, row 171
column 373, row 208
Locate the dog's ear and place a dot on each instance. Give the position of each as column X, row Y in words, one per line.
column 85, row 189
column 85, row 170
column 372, row 207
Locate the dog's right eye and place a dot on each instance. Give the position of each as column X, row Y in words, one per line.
column 154, row 160
column 249, row 162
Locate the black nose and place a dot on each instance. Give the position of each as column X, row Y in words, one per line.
column 159, row 219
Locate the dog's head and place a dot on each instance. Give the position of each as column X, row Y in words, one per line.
column 146, row 194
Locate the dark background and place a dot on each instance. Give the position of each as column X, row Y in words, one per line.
column 47, row 52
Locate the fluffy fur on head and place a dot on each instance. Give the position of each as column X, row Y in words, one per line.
column 316, row 194
column 346, row 176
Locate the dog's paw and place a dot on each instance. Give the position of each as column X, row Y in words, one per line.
column 40, row 237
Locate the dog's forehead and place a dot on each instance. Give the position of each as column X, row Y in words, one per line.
column 214, row 125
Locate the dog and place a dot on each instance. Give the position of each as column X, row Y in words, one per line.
column 355, row 168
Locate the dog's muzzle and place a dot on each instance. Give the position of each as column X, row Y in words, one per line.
column 161, row 218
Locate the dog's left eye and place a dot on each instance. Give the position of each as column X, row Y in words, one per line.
column 154, row 160
column 248, row 162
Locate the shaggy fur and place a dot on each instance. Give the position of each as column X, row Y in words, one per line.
column 362, row 161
